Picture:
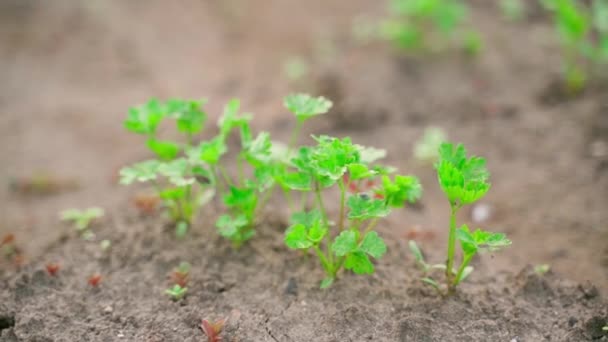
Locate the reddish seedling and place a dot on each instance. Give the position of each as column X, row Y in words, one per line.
column 10, row 251
column 94, row 280
column 213, row 330
column 52, row 269
column 181, row 274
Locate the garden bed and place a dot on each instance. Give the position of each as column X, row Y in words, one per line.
column 72, row 72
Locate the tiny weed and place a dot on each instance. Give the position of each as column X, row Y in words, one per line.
column 213, row 330
column 176, row 292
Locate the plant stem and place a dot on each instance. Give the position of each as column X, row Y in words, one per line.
column 451, row 246
column 465, row 262
column 324, row 262
column 342, row 195
column 320, row 204
column 294, row 135
column 370, row 226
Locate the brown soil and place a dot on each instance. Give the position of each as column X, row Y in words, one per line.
column 71, row 70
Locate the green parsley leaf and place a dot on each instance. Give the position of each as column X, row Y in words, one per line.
column 144, row 119
column 140, row 172
column 359, row 263
column 296, row 237
column 463, row 180
column 479, row 241
column 305, row 106
column 373, row 245
column 402, row 189
column 165, row 150
column 362, row 207
column 211, row 151
column 345, row 243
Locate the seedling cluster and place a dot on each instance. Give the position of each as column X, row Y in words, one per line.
column 337, row 191
column 583, row 34
column 425, row 25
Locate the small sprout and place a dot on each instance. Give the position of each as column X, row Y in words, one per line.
column 82, row 219
column 605, row 328
column 542, row 269
column 427, row 148
column 181, row 229
column 105, row 245
column 176, row 292
column 94, row 280
column 52, row 268
column 213, row 330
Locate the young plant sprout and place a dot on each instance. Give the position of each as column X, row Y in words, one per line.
column 464, row 181
column 424, row 25
column 176, row 292
column 213, row 330
column 583, row 34
column 352, row 242
column 82, row 219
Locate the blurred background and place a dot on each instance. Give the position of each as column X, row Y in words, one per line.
column 71, row 69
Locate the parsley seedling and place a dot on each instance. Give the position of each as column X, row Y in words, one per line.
column 423, row 25
column 176, row 292
column 82, row 219
column 354, row 242
column 464, row 181
column 181, row 274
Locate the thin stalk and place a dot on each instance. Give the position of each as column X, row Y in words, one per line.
column 451, row 244
column 342, row 196
column 294, row 135
column 224, row 174
column 241, row 174
column 288, row 199
column 370, row 226
column 320, row 204
column 324, row 262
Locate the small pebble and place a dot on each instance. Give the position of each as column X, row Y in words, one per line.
column 303, row 303
column 108, row 309
column 481, row 212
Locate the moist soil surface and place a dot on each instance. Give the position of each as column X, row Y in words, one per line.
column 70, row 70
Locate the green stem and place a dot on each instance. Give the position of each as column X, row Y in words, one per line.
column 241, row 174
column 224, row 174
column 294, row 135
column 465, row 262
column 451, row 245
column 370, row 226
column 320, row 204
column 324, row 262
column 342, row 196
column 288, row 199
